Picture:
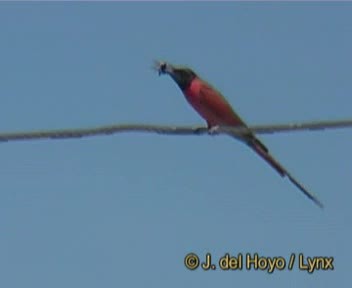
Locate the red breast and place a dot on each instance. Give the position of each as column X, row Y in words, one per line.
column 210, row 104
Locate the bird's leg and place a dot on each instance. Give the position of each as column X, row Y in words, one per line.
column 213, row 130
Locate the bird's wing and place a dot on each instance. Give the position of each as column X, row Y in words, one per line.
column 214, row 101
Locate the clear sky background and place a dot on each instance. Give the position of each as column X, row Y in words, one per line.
column 124, row 210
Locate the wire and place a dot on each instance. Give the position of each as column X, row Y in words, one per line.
column 168, row 130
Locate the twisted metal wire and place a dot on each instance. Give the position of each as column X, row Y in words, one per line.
column 168, row 130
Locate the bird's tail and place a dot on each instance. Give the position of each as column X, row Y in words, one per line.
column 263, row 152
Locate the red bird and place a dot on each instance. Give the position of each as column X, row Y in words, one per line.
column 216, row 111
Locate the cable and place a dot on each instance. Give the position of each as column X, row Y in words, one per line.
column 168, row 130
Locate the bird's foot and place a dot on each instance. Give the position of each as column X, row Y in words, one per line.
column 213, row 130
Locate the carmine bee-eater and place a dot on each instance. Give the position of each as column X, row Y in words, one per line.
column 214, row 108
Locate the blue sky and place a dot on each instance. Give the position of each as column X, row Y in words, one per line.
column 124, row 210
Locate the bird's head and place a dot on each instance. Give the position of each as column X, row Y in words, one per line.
column 183, row 76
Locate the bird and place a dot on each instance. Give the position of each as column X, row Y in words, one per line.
column 213, row 107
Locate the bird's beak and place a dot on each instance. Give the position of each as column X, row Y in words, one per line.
column 164, row 68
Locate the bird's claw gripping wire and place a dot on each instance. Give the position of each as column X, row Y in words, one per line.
column 214, row 130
